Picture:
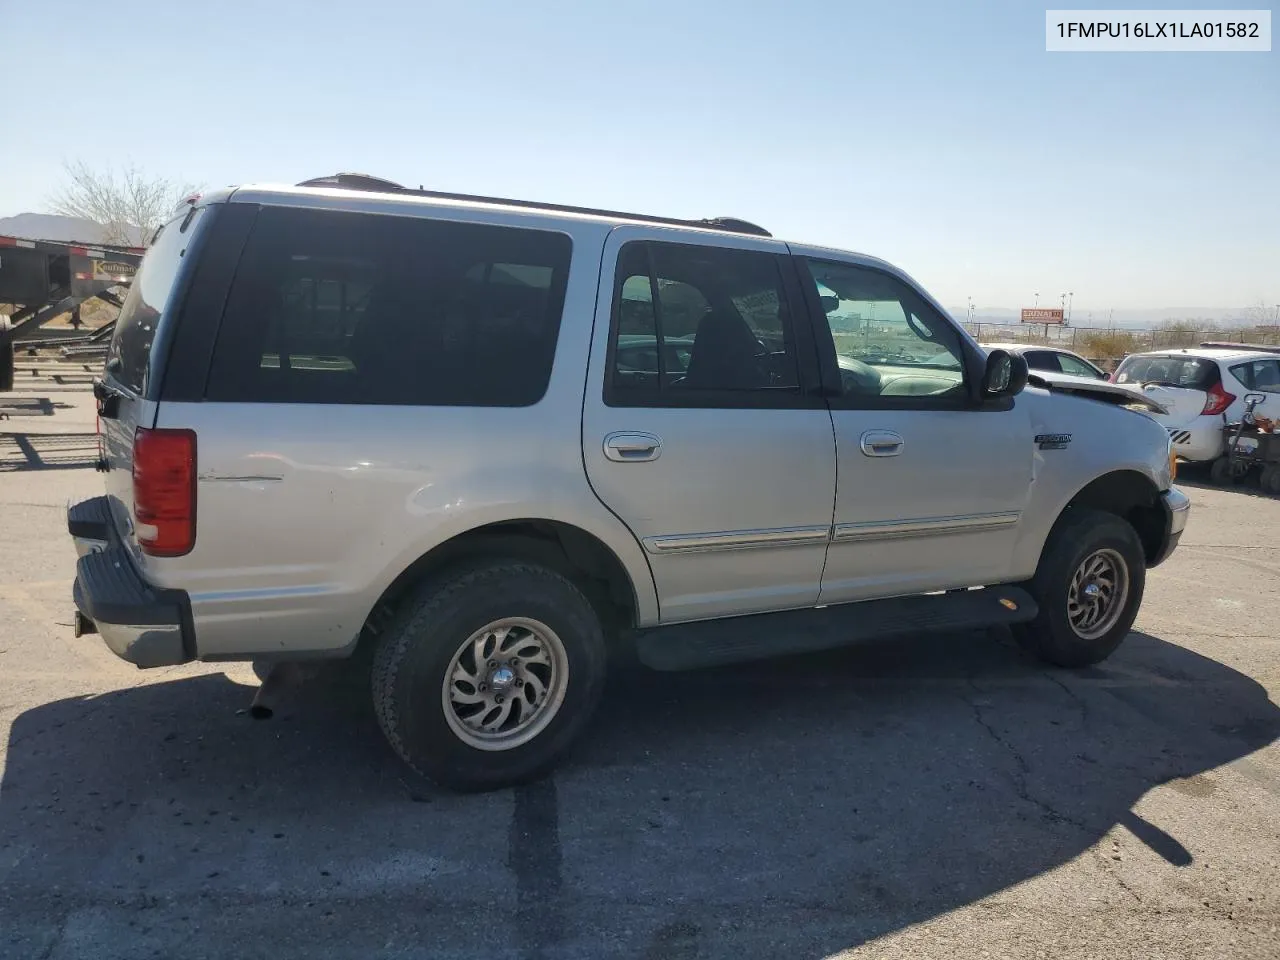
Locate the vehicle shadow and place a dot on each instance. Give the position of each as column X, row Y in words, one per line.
column 1196, row 476
column 790, row 808
column 47, row 451
column 11, row 407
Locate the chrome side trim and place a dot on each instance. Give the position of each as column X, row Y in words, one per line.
column 736, row 540
column 925, row 527
column 255, row 478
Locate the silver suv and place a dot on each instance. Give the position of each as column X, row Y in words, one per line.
column 489, row 443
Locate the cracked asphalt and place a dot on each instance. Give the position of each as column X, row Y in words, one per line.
column 942, row 796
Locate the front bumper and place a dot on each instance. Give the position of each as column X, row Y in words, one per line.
column 1176, row 506
column 146, row 625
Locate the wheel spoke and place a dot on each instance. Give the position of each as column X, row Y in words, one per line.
column 534, row 689
column 494, row 718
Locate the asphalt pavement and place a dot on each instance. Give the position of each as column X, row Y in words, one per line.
column 942, row 796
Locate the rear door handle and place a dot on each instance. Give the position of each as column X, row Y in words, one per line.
column 881, row 443
column 632, row 447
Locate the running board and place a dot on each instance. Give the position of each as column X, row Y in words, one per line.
column 713, row 643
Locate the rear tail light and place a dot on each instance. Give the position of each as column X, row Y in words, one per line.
column 1217, row 401
column 164, row 491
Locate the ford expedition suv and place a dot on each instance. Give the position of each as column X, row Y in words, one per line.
column 485, row 443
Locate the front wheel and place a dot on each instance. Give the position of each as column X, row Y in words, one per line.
column 1088, row 586
column 486, row 677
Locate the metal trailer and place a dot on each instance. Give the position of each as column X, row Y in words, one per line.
column 45, row 279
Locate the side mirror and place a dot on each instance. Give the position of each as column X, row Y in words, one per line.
column 830, row 304
column 1005, row 375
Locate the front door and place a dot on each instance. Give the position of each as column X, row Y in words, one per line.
column 703, row 429
column 931, row 488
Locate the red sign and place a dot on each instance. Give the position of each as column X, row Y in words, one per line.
column 1041, row 315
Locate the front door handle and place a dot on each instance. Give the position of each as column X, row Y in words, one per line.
column 632, row 447
column 881, row 443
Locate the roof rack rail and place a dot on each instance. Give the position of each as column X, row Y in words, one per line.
column 1228, row 345
column 363, row 181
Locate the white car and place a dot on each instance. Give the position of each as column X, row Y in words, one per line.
column 1203, row 389
column 1050, row 359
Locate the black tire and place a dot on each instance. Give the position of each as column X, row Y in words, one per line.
column 1269, row 480
column 1220, row 472
column 6, row 367
column 1077, row 536
column 419, row 645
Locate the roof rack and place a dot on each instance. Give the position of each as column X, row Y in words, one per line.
column 1226, row 345
column 362, row 181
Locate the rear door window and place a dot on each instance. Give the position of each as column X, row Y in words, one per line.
column 1076, row 367
column 1195, row 373
column 356, row 308
column 144, row 308
column 700, row 326
column 1043, row 360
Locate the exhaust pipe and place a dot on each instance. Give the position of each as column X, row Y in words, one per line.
column 281, row 679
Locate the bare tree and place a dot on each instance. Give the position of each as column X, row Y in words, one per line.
column 129, row 204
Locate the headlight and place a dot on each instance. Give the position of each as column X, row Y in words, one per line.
column 1173, row 462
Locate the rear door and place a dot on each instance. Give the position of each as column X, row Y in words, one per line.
column 702, row 427
column 132, row 367
column 1260, row 376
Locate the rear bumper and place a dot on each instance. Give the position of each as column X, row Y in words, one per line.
column 1199, row 442
column 146, row 625
column 1177, row 508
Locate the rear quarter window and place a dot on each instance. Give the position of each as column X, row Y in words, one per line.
column 1196, row 373
column 369, row 309
column 150, row 301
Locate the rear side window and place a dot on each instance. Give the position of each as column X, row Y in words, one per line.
column 1263, row 375
column 359, row 308
column 129, row 356
column 1195, row 373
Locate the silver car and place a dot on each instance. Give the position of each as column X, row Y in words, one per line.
column 478, row 445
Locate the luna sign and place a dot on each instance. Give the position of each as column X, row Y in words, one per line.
column 1041, row 315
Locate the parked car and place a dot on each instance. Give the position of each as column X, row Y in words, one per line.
column 1203, row 389
column 344, row 419
column 1051, row 359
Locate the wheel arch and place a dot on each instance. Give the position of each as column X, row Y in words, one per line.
column 1130, row 495
column 568, row 549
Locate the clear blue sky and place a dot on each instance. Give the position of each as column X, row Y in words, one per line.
column 939, row 135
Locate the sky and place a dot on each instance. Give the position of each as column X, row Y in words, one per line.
column 936, row 134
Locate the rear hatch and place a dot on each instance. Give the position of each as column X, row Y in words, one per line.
column 127, row 395
column 1187, row 387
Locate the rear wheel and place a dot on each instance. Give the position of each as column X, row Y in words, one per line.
column 1221, row 472
column 1088, row 586
column 6, row 367
column 1269, row 480
column 485, row 678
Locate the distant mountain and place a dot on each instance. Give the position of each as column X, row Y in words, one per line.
column 49, row 226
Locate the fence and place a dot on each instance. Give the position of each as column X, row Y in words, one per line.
column 1105, row 344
